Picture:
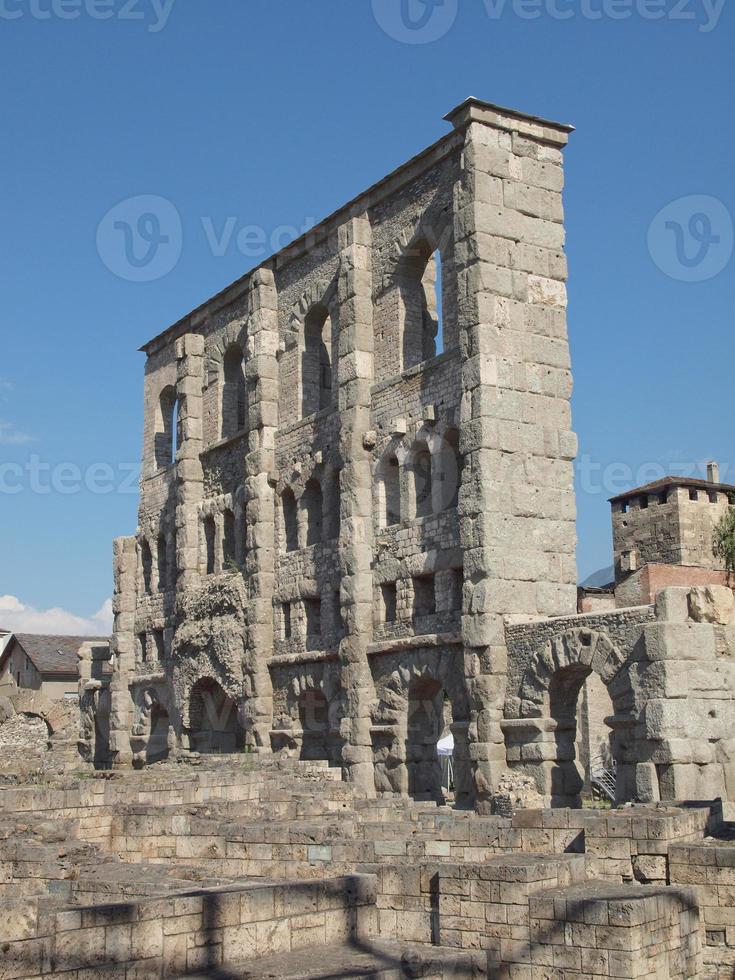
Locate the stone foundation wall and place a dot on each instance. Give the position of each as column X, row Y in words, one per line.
column 198, row 931
column 634, row 891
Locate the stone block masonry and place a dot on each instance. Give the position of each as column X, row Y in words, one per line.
column 181, row 871
column 357, row 520
column 356, row 538
column 365, row 440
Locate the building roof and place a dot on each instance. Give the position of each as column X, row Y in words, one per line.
column 674, row 481
column 51, row 655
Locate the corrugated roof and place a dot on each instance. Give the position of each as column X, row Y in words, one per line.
column 53, row 654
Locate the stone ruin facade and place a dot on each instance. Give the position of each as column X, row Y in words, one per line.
column 357, row 461
column 356, row 537
column 357, row 520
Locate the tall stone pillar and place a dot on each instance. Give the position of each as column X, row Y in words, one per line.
column 189, row 478
column 122, row 649
column 516, row 503
column 261, row 369
column 355, row 374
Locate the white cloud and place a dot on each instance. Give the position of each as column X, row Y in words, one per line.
column 18, row 617
column 10, row 436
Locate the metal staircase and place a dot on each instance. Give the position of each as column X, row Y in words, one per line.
column 602, row 778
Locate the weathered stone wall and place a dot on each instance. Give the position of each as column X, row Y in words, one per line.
column 140, row 869
column 641, row 587
column 38, row 735
column 190, row 932
column 670, row 677
column 368, row 471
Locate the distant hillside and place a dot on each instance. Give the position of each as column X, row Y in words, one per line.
column 603, row 576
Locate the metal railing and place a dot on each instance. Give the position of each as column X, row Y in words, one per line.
column 603, row 778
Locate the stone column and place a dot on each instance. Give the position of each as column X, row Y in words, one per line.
column 516, row 502
column 355, row 374
column 262, row 379
column 122, row 648
column 189, row 478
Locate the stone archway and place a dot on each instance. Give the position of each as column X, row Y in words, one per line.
column 424, row 728
column 421, row 695
column 157, row 748
column 543, row 740
column 214, row 725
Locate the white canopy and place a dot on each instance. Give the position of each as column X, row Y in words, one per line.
column 445, row 746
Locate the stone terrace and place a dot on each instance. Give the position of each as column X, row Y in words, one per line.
column 241, row 865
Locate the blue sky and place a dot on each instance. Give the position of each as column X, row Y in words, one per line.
column 270, row 113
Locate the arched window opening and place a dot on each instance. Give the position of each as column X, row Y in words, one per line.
column 448, row 470
column 419, row 277
column 159, row 645
column 316, row 362
column 210, row 536
column 314, row 719
column 424, row 597
column 290, row 520
column 286, row 620
column 433, row 285
column 422, row 480
column 146, row 561
column 167, row 435
column 241, row 543
column 334, row 516
column 456, row 587
column 234, row 392
column 425, row 726
column 213, row 722
column 388, row 596
column 229, row 542
column 162, row 556
column 313, row 615
column 390, row 492
column 313, row 505
column 320, row 737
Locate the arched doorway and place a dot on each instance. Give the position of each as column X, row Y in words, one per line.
column 579, row 705
column 320, row 738
column 213, row 719
column 424, row 728
column 157, row 747
column 577, row 713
